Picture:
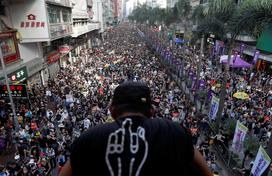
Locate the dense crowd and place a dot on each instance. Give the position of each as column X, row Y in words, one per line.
column 78, row 99
column 254, row 112
column 79, row 96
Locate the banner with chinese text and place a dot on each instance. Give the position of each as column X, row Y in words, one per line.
column 239, row 137
column 261, row 162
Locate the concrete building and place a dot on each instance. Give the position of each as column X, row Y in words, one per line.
column 97, row 8
column 108, row 15
column 117, row 10
column 37, row 37
column 83, row 24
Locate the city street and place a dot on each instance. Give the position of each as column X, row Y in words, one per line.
column 136, row 88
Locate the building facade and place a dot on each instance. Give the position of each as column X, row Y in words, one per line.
column 39, row 37
column 108, row 13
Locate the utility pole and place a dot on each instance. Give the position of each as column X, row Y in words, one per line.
column 9, row 92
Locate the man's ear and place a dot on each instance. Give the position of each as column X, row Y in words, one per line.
column 113, row 112
column 151, row 111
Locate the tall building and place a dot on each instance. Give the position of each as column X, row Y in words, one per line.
column 108, row 12
column 118, row 12
column 97, row 9
column 37, row 37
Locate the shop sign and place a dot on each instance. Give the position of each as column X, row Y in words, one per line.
column 18, row 75
column 18, row 90
column 30, row 20
column 9, row 47
column 53, row 57
column 64, row 49
column 32, row 23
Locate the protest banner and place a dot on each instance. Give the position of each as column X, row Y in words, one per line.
column 261, row 162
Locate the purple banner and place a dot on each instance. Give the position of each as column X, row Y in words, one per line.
column 242, row 47
column 180, row 70
column 201, row 84
column 235, row 56
column 256, row 56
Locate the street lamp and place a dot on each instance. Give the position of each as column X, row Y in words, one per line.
column 9, row 92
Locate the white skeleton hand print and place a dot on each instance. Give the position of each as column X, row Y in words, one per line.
column 126, row 161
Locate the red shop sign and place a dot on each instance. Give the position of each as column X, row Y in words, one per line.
column 53, row 57
column 64, row 49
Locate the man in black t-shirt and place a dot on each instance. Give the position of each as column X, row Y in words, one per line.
column 135, row 144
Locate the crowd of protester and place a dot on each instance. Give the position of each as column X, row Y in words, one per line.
column 254, row 112
column 77, row 98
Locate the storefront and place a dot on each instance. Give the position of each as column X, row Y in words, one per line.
column 34, row 68
column 53, row 65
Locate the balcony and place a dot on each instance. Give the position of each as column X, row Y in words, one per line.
column 245, row 38
column 60, row 30
column 80, row 30
column 65, row 3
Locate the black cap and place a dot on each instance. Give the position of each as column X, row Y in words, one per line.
column 132, row 93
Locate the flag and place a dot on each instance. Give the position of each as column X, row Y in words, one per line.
column 239, row 137
column 242, row 47
column 214, row 108
column 261, row 162
column 256, row 56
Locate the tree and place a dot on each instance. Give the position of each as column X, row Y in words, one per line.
column 226, row 20
column 170, row 16
column 184, row 9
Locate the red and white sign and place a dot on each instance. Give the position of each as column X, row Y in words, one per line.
column 32, row 23
column 64, row 49
column 53, row 57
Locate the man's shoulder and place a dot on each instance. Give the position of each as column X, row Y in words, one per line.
column 99, row 130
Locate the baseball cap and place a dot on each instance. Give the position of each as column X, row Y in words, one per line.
column 132, row 93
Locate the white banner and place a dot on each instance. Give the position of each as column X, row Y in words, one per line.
column 69, row 98
column 261, row 162
column 239, row 137
column 214, row 107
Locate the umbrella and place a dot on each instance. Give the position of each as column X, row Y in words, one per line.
column 241, row 95
column 237, row 62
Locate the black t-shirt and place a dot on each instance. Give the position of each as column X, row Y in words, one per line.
column 135, row 145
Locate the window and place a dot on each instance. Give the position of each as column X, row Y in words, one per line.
column 54, row 15
column 66, row 16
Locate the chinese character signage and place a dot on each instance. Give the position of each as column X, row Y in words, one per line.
column 18, row 75
column 239, row 137
column 30, row 21
column 261, row 162
column 64, row 49
column 53, row 57
column 18, row 90
column 214, row 108
column 9, row 47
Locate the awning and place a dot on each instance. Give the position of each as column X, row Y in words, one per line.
column 235, row 63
